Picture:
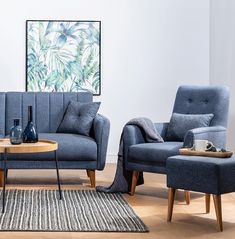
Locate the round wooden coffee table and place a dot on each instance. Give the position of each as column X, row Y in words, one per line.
column 41, row 146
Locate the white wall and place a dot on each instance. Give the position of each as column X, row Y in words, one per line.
column 222, row 54
column 149, row 48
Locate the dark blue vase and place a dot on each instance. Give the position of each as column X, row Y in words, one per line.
column 16, row 133
column 30, row 135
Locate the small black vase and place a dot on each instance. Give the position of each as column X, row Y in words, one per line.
column 30, row 135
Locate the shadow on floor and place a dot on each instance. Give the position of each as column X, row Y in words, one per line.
column 163, row 193
column 192, row 225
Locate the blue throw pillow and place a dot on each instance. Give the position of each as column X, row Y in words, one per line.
column 78, row 118
column 181, row 123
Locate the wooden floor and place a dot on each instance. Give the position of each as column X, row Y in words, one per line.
column 149, row 202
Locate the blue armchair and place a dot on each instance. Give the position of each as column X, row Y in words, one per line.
column 151, row 157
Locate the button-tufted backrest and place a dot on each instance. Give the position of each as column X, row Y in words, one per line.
column 48, row 108
column 204, row 100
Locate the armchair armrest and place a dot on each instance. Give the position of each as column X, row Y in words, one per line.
column 101, row 127
column 215, row 134
column 131, row 135
column 162, row 128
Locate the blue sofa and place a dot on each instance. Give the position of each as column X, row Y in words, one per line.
column 75, row 151
column 151, row 157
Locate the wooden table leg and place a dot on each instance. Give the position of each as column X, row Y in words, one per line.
column 207, row 201
column 171, row 198
column 218, row 210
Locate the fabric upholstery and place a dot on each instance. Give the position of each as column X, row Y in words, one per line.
column 153, row 153
column 132, row 135
column 76, row 151
column 204, row 100
column 141, row 167
column 48, row 108
column 101, row 127
column 181, row 123
column 189, row 100
column 48, row 164
column 162, row 129
column 215, row 134
column 72, row 147
column 201, row 174
column 78, row 118
column 123, row 178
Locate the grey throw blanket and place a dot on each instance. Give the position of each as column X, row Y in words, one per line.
column 123, row 177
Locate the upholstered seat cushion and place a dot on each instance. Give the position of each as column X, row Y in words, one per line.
column 201, row 174
column 72, row 147
column 153, row 153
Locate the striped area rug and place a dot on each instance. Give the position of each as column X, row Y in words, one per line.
column 79, row 210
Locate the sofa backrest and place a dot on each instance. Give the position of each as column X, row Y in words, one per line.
column 204, row 100
column 48, row 108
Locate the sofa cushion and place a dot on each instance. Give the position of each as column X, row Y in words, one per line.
column 78, row 118
column 72, row 147
column 153, row 153
column 181, row 123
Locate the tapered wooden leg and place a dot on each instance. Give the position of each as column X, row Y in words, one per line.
column 187, row 196
column 171, row 198
column 88, row 173
column 1, row 178
column 207, row 201
column 135, row 176
column 218, row 210
column 91, row 175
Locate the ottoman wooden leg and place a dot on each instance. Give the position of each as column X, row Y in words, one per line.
column 218, row 210
column 187, row 196
column 1, row 178
column 135, row 176
column 207, row 201
column 171, row 198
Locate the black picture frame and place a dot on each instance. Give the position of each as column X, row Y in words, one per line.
column 49, row 20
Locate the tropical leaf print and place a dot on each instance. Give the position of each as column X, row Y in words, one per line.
column 63, row 56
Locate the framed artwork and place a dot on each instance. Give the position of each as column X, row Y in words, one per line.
column 63, row 56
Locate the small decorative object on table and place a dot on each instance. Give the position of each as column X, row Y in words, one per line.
column 30, row 135
column 16, row 133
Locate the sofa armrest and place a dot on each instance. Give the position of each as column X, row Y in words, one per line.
column 215, row 134
column 162, row 128
column 101, row 126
